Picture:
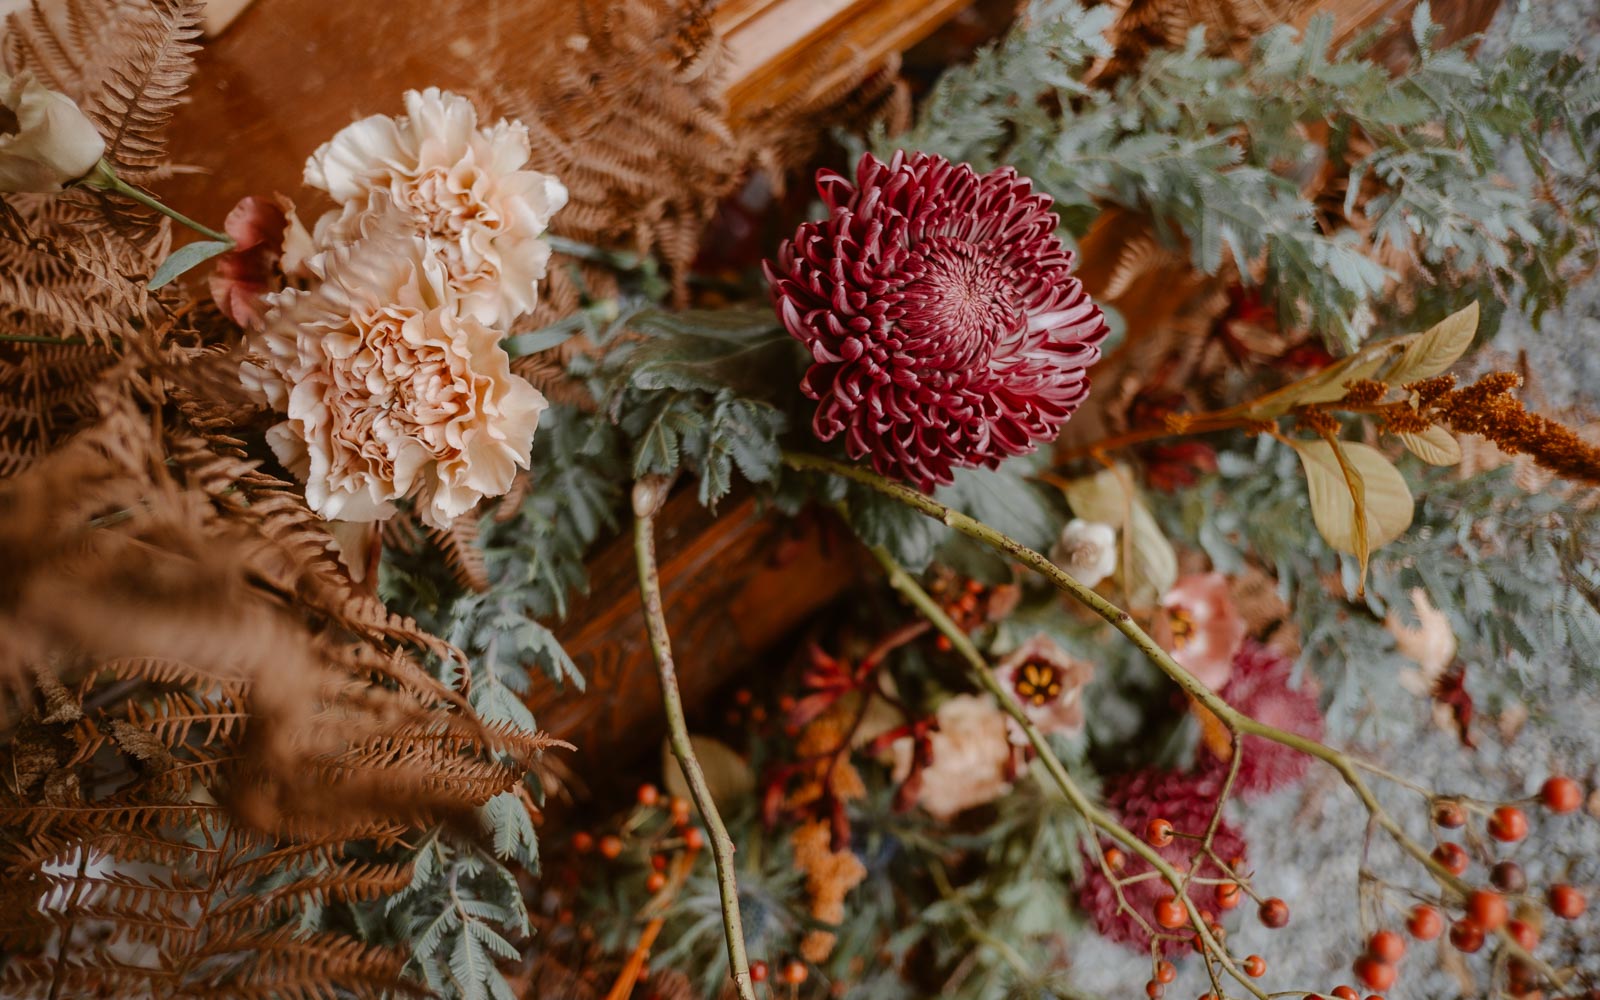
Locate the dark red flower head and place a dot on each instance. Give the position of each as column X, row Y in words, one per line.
column 1260, row 688
column 943, row 321
column 1187, row 801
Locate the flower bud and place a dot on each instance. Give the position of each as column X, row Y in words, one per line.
column 46, row 141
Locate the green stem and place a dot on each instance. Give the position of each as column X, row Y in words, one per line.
column 23, row 338
column 647, row 499
column 104, row 178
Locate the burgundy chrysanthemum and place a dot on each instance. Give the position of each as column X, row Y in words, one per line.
column 1259, row 687
column 943, row 321
column 1187, row 802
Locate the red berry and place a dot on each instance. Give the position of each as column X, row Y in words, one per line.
column 1346, row 993
column 1386, row 946
column 795, row 972
column 1449, row 815
column 1452, row 856
column 1274, row 912
column 1154, row 990
column 610, row 847
column 758, row 971
column 582, row 842
column 1466, row 935
column 1508, row 876
column 1523, row 933
column 1165, row 972
column 1508, row 824
column 1373, row 973
column 1171, row 914
column 659, row 862
column 680, row 810
column 693, row 839
column 1116, row 860
column 1228, row 895
column 1566, row 902
column 1425, row 922
column 655, row 883
column 1487, row 909
column 1158, row 832
column 649, row 795
column 1255, row 966
column 1561, row 795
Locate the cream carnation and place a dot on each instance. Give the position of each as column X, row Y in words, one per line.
column 390, row 391
column 465, row 187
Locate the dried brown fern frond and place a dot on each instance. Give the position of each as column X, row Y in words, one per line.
column 126, row 63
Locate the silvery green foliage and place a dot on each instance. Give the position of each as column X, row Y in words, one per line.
column 1214, row 151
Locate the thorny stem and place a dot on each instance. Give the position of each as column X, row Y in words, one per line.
column 909, row 588
column 1236, row 721
column 678, row 728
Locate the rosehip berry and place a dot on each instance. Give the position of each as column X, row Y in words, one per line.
column 693, row 839
column 659, row 862
column 610, row 847
column 1274, row 913
column 680, row 810
column 1567, row 903
column 1508, row 876
column 1466, row 936
column 1116, row 860
column 1449, row 815
column 1425, row 922
column 583, row 842
column 1487, row 909
column 1452, row 856
column 1165, row 972
column 1386, row 946
column 1154, row 990
column 1561, row 795
column 795, row 972
column 1346, row 993
column 1158, row 832
column 655, row 883
column 758, row 971
column 1255, row 966
column 1373, row 973
column 1228, row 895
column 1171, row 914
column 1508, row 824
column 1523, row 933
column 649, row 795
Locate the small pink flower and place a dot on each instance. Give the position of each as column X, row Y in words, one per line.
column 1049, row 685
column 270, row 244
column 1205, row 627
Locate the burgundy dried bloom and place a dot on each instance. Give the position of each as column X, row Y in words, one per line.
column 1260, row 688
column 943, row 321
column 1187, row 802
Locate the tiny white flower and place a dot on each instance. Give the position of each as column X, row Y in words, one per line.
column 46, row 141
column 1087, row 550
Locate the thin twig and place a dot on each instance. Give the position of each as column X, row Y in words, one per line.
column 647, row 498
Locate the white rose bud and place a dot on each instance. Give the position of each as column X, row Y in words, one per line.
column 1087, row 550
column 46, row 141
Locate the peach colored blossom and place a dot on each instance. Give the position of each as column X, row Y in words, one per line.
column 467, row 188
column 390, row 391
column 971, row 757
column 1205, row 627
